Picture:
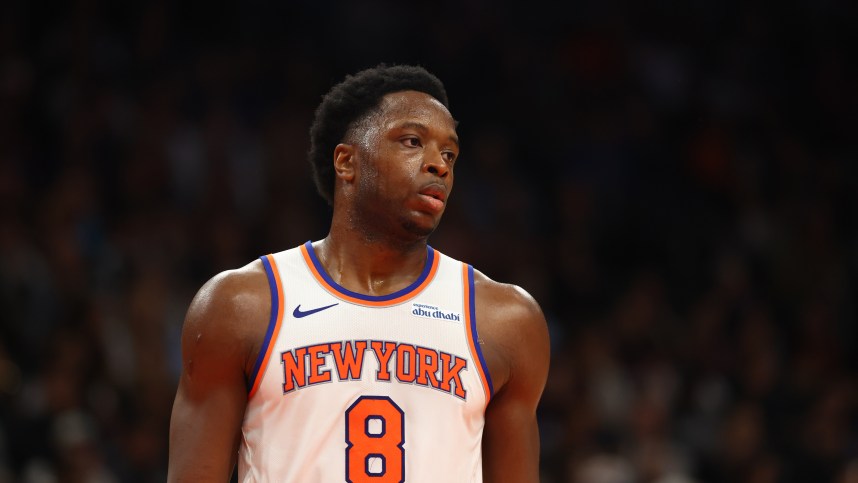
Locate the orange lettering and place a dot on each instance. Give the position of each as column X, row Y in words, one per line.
column 316, row 362
column 349, row 359
column 451, row 373
column 427, row 360
column 383, row 351
column 294, row 373
column 406, row 371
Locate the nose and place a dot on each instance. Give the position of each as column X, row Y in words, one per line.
column 434, row 163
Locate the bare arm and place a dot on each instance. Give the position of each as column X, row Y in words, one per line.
column 515, row 339
column 222, row 327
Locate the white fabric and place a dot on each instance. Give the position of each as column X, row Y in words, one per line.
column 300, row 435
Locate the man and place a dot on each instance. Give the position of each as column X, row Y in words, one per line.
column 357, row 357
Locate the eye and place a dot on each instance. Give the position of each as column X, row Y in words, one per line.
column 411, row 142
column 449, row 156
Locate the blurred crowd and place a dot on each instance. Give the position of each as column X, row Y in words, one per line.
column 675, row 183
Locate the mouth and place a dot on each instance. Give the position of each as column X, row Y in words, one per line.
column 433, row 198
column 435, row 191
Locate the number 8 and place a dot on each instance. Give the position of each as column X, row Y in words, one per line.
column 375, row 433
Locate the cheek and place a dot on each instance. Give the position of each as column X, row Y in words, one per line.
column 397, row 176
column 381, row 182
column 396, row 184
column 368, row 178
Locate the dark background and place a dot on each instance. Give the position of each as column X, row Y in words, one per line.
column 674, row 181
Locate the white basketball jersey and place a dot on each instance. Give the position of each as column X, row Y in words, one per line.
column 357, row 388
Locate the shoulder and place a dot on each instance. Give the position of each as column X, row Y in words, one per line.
column 506, row 302
column 236, row 292
column 512, row 330
column 230, row 312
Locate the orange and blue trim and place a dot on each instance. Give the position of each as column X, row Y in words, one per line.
column 471, row 327
column 319, row 273
column 274, row 324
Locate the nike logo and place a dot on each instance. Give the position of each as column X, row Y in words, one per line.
column 297, row 313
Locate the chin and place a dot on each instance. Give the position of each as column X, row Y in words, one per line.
column 419, row 229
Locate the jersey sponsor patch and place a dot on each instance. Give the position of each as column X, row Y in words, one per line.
column 432, row 312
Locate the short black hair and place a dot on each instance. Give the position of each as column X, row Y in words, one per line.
column 352, row 99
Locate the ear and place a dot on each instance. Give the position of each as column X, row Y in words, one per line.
column 344, row 161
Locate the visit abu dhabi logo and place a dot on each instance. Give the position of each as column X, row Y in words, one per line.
column 433, row 312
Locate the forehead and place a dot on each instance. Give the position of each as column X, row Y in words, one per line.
column 414, row 105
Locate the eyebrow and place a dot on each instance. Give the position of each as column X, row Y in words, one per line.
column 422, row 127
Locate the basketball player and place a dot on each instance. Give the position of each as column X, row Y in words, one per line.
column 367, row 356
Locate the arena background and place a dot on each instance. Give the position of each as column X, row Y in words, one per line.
column 674, row 181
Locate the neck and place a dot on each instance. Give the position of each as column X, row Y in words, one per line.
column 370, row 264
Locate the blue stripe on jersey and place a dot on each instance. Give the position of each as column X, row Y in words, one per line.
column 430, row 258
column 272, row 322
column 472, row 308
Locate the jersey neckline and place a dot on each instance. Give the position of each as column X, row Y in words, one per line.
column 411, row 291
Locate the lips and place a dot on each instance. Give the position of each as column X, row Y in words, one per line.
column 435, row 191
column 433, row 197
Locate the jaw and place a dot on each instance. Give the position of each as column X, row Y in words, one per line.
column 382, row 210
column 403, row 228
column 421, row 227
